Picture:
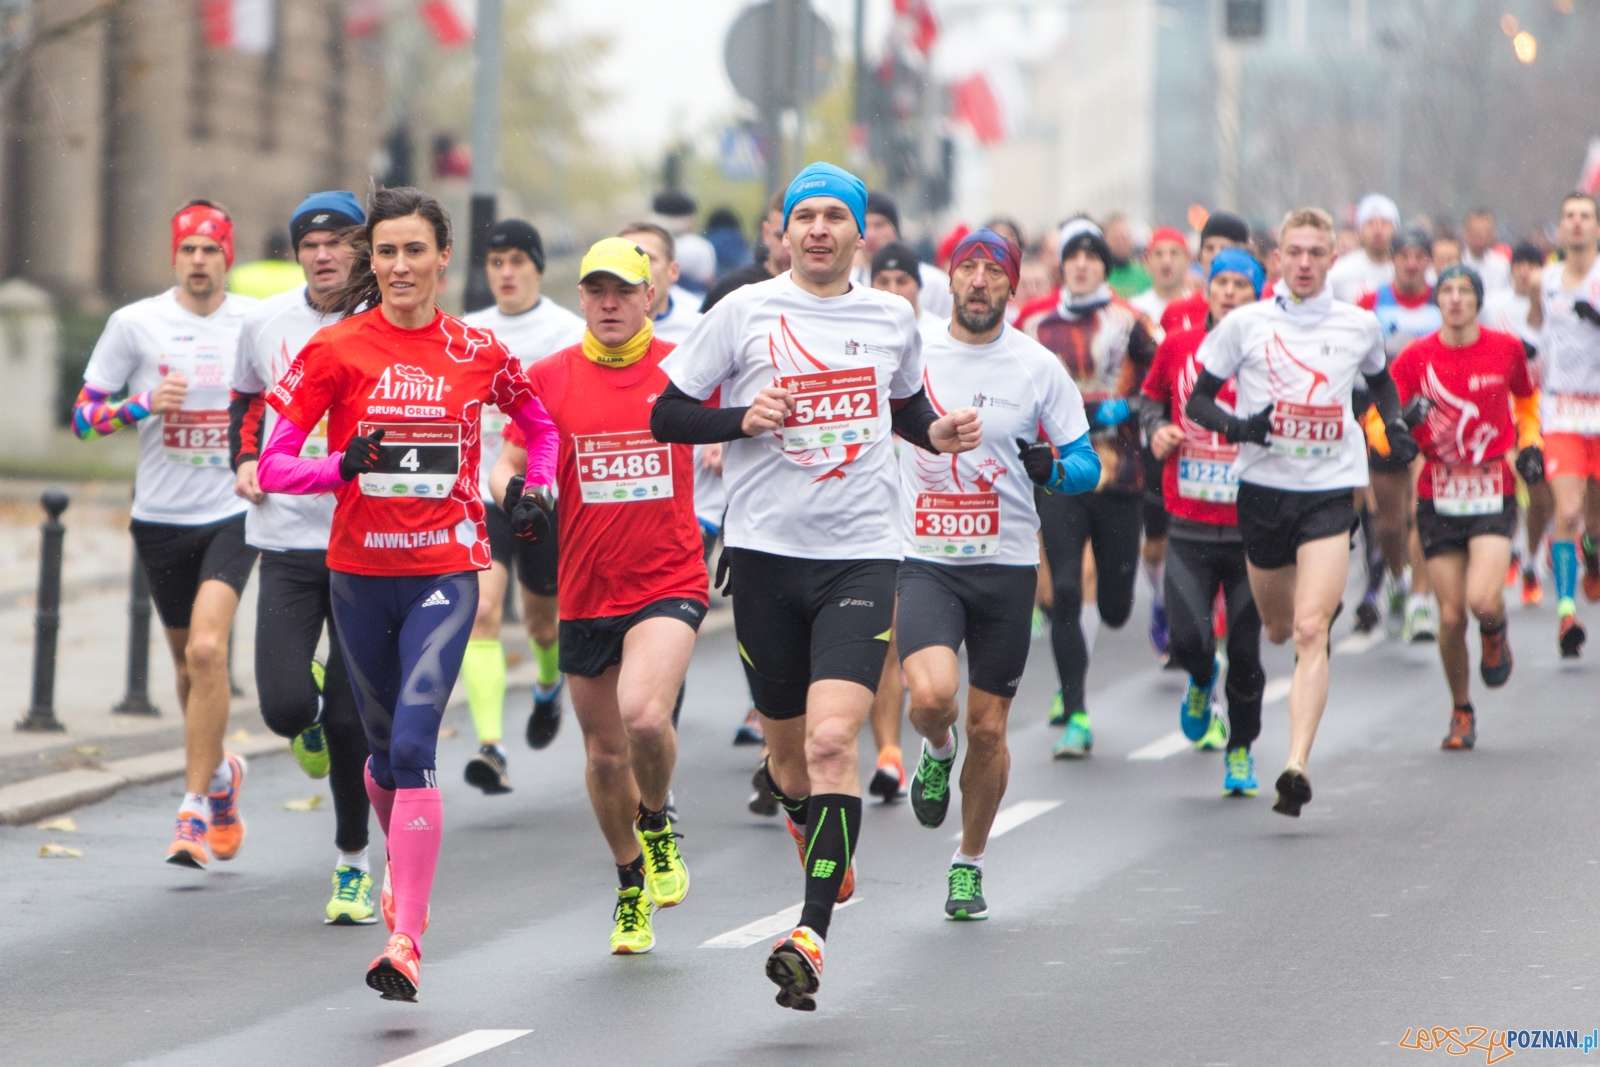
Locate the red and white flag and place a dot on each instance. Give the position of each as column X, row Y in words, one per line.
column 450, row 21
column 239, row 25
column 974, row 102
column 1589, row 180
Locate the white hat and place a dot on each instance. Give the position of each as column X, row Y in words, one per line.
column 1376, row 206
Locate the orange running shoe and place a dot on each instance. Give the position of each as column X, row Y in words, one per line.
column 1495, row 665
column 188, row 848
column 889, row 782
column 795, row 966
column 227, row 825
column 397, row 973
column 1571, row 636
column 847, row 887
column 1463, row 730
column 1532, row 589
column 386, row 905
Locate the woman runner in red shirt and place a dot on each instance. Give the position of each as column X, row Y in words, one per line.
column 398, row 389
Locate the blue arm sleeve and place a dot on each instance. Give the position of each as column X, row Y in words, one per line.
column 1078, row 469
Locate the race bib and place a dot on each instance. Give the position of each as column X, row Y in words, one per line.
column 316, row 446
column 419, row 459
column 833, row 407
column 1307, row 431
column 957, row 524
column 195, row 438
column 1206, row 472
column 1468, row 490
column 622, row 468
column 1577, row 413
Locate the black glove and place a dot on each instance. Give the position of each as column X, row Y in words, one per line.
column 1402, row 446
column 1585, row 311
column 513, row 492
column 1038, row 459
column 1530, row 464
column 360, row 455
column 1416, row 411
column 1254, row 429
column 531, row 515
column 724, row 581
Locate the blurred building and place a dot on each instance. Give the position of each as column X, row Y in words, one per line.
column 111, row 127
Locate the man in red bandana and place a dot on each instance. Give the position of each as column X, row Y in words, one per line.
column 174, row 353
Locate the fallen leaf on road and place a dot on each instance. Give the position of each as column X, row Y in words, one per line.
column 241, row 735
column 59, row 852
column 308, row 804
column 64, row 824
column 447, row 731
column 88, row 750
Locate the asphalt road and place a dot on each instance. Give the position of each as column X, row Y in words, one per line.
column 1137, row 917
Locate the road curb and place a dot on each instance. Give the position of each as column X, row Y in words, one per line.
column 38, row 798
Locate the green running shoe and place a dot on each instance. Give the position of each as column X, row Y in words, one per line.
column 1216, row 736
column 352, row 899
column 1058, row 710
column 1077, row 740
column 666, row 879
column 632, row 934
column 1240, row 779
column 930, row 786
column 311, row 751
column 966, row 901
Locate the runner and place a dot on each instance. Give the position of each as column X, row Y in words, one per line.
column 672, row 318
column 308, row 702
column 1361, row 271
column 174, row 353
column 1207, row 557
column 812, row 533
column 1167, row 260
column 971, row 541
column 1106, row 346
column 531, row 326
column 1445, row 251
column 1569, row 294
column 1296, row 358
column 1480, row 253
column 633, row 582
column 895, row 269
column 1467, row 507
column 402, row 385
column 883, row 226
column 1222, row 230
column 1127, row 276
column 775, row 262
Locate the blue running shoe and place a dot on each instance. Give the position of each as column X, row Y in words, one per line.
column 1240, row 781
column 1194, row 714
column 1159, row 635
column 1077, row 741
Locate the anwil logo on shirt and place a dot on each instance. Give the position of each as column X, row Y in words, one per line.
column 401, row 382
column 407, row 539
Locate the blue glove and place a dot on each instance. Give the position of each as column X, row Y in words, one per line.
column 1112, row 412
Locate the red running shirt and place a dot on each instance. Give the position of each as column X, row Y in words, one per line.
column 1470, row 389
column 627, row 529
column 1186, row 313
column 1172, row 375
column 419, row 512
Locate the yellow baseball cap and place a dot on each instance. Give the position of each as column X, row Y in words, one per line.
column 619, row 256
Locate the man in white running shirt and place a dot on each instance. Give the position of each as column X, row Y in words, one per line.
column 970, row 534
column 1507, row 309
column 174, row 353
column 894, row 270
column 672, row 316
column 816, row 374
column 1295, row 360
column 1479, row 253
column 532, row 326
column 1166, row 259
column 1360, row 272
column 307, row 702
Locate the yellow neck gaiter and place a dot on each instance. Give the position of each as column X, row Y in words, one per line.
column 631, row 351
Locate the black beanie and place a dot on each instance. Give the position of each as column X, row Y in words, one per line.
column 1223, row 224
column 883, row 204
column 896, row 256
column 514, row 233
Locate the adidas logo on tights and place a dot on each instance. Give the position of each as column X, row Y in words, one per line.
column 419, row 823
column 436, row 599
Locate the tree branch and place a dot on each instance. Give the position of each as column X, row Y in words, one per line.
column 102, row 10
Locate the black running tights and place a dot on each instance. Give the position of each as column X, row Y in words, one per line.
column 1110, row 523
column 1196, row 570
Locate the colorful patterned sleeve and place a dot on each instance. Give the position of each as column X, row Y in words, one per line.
column 93, row 415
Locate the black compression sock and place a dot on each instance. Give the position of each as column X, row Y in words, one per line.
column 796, row 807
column 631, row 875
column 653, row 821
column 835, row 825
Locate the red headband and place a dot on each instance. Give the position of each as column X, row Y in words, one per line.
column 201, row 220
column 1168, row 233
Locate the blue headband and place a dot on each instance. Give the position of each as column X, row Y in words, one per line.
column 825, row 179
column 1238, row 261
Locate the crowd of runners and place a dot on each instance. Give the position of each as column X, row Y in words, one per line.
column 879, row 460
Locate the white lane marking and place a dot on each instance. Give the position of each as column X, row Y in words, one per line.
column 1162, row 747
column 1276, row 690
column 457, row 1048
column 761, row 929
column 1009, row 819
column 1356, row 644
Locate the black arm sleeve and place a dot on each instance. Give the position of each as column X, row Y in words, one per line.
column 1152, row 416
column 912, row 417
column 245, row 413
column 1204, row 409
column 1384, row 395
column 680, row 419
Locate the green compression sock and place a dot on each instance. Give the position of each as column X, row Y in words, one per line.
column 548, row 660
column 483, row 670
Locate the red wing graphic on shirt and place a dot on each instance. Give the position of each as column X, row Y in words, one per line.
column 1193, row 432
column 789, row 356
column 941, row 474
column 1289, row 378
column 1450, row 425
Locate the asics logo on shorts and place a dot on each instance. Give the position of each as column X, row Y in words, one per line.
column 852, row 602
column 436, row 599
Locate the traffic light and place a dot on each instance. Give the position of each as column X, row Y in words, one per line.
column 1245, row 20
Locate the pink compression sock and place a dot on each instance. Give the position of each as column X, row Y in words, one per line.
column 382, row 799
column 413, row 854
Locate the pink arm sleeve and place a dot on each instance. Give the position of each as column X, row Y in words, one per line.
column 539, row 430
column 281, row 469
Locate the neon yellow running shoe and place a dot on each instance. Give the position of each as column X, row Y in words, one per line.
column 1216, row 736
column 352, row 899
column 632, row 934
column 311, row 751
column 666, row 879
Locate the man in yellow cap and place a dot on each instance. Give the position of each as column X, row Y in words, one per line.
column 632, row 584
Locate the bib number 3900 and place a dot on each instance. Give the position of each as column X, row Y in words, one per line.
column 957, row 524
column 1307, row 431
column 834, row 407
column 416, row 459
column 621, row 468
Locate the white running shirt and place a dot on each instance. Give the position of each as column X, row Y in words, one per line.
column 1507, row 312
column 1569, row 348
column 273, row 334
column 534, row 334
column 683, row 311
column 933, row 296
column 840, row 498
column 977, row 507
column 1354, row 275
column 1305, row 358
column 183, row 478
column 1494, row 268
column 1150, row 303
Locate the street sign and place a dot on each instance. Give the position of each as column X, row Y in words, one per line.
column 779, row 54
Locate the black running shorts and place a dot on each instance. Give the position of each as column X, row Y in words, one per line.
column 1443, row 534
column 502, row 542
column 178, row 558
column 1274, row 523
column 800, row 621
column 989, row 606
column 590, row 647
column 536, row 564
column 1156, row 520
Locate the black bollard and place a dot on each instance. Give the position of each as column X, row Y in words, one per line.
column 137, row 700
column 41, row 716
